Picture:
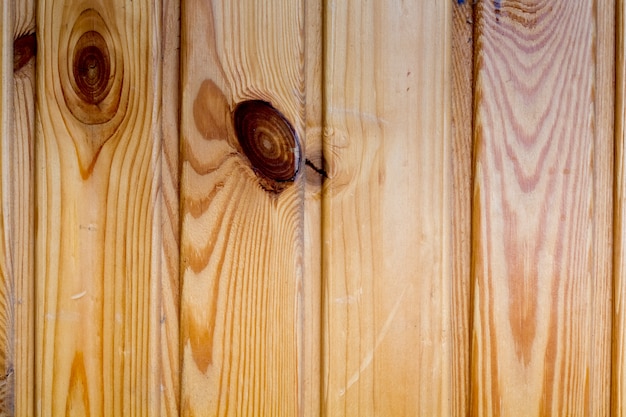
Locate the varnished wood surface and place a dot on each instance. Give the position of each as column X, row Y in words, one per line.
column 618, row 381
column 22, row 209
column 170, row 212
column 462, row 84
column 242, row 224
column 98, row 222
column 439, row 235
column 7, row 340
column 602, row 286
column 387, row 210
column 541, row 254
column 314, row 177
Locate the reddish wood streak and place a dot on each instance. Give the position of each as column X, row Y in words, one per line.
column 24, row 48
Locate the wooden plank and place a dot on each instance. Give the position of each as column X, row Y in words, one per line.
column 540, row 332
column 21, row 175
column 242, row 222
column 619, row 228
column 7, row 337
column 311, row 291
column 98, row 220
column 387, row 209
column 170, row 259
column 603, row 213
column 462, row 116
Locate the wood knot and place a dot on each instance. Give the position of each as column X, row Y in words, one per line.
column 24, row 48
column 91, row 76
column 92, row 67
column 270, row 143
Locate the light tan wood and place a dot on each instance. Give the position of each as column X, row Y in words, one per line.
column 7, row 337
column 619, row 261
column 387, row 209
column 541, row 254
column 21, row 176
column 311, row 291
column 98, row 224
column 602, row 285
column 170, row 259
column 462, row 100
column 23, row 17
column 243, row 297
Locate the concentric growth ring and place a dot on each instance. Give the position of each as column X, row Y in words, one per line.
column 92, row 67
column 268, row 140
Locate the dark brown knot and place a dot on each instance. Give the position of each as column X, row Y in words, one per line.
column 269, row 141
column 92, row 67
column 24, row 49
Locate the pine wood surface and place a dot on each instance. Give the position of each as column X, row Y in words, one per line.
column 618, row 367
column 170, row 213
column 387, row 209
column 462, row 101
column 242, row 239
column 98, row 213
column 450, row 243
column 541, row 254
column 21, row 174
column 7, row 341
column 315, row 176
column 602, row 284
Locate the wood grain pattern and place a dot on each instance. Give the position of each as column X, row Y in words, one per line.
column 618, row 368
column 310, row 339
column 242, row 238
column 98, row 222
column 387, row 209
column 170, row 213
column 462, row 115
column 603, row 209
column 539, row 258
column 7, row 337
column 22, row 211
column 23, row 17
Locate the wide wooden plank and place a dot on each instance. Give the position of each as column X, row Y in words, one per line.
column 98, row 223
column 541, row 247
column 462, row 134
column 241, row 208
column 7, row 339
column 21, row 174
column 387, row 209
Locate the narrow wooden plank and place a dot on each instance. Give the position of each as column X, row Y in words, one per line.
column 462, row 116
column 602, row 214
column 170, row 221
column 387, row 209
column 22, row 179
column 314, row 178
column 539, row 332
column 7, row 337
column 98, row 220
column 618, row 382
column 242, row 222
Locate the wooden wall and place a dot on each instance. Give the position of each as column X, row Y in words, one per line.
column 312, row 208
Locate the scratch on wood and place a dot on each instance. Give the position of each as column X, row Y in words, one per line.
column 79, row 295
column 367, row 360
